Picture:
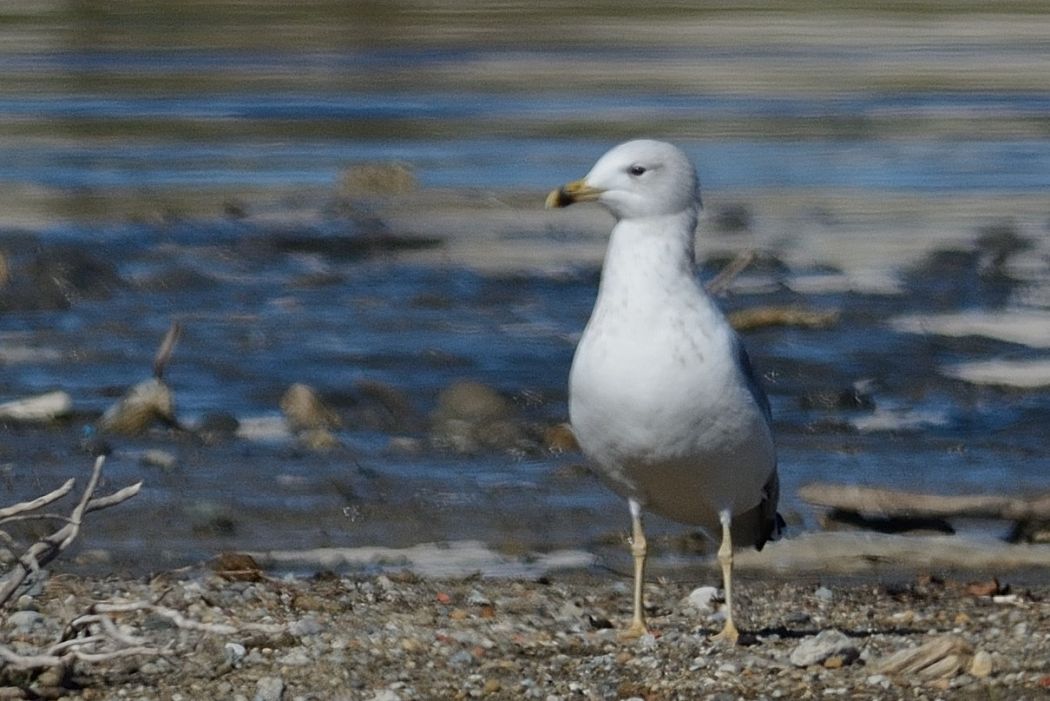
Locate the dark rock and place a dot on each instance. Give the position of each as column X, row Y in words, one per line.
column 732, row 218
column 836, row 400
column 56, row 278
column 217, row 425
column 383, row 407
column 841, row 519
column 999, row 242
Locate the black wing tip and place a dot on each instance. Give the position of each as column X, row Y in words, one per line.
column 777, row 526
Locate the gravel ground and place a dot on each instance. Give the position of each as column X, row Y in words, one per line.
column 399, row 636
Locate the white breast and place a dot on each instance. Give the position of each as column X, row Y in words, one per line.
column 658, row 401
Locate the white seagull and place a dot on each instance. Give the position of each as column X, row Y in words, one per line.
column 662, row 397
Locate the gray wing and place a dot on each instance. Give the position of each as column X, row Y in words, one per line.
column 762, row 523
column 753, row 384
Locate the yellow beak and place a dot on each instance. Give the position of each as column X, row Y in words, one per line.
column 570, row 193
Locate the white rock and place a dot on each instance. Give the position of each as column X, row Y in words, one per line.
column 386, row 695
column 44, row 407
column 817, row 648
column 702, row 599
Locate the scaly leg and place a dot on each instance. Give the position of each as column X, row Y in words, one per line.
column 729, row 632
column 637, row 627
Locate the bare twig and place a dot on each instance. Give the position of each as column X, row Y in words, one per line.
column 39, row 502
column 181, row 621
column 49, row 547
column 45, row 661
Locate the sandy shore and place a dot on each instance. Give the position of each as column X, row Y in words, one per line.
column 400, row 636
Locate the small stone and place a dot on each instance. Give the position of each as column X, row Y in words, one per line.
column 981, row 665
column 702, row 599
column 834, row 662
column 308, row 625
column 491, row 686
column 159, row 458
column 878, row 680
column 476, row 598
column 25, row 621
column 823, row 594
column 816, row 649
column 269, row 689
column 52, row 676
column 295, row 658
column 234, row 652
column 386, row 695
column 306, row 411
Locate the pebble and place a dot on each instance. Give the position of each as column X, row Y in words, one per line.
column 981, row 665
column 823, row 594
column 25, row 621
column 295, row 658
column 702, row 599
column 390, row 638
column 269, row 689
column 818, row 648
column 234, row 652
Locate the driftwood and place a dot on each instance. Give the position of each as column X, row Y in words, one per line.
column 106, row 630
column 765, row 317
column 872, row 502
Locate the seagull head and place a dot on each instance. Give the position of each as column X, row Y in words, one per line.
column 636, row 179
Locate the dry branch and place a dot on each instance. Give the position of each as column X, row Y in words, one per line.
column 49, row 547
column 39, row 502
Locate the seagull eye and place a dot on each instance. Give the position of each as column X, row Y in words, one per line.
column 636, row 170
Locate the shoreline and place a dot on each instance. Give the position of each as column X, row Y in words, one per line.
column 398, row 636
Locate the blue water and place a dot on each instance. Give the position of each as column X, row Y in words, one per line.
column 252, row 326
column 285, row 119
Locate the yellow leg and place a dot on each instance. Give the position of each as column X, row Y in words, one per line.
column 729, row 632
column 638, row 545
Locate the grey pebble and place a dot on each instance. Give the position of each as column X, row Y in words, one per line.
column 815, row 649
column 296, row 658
column 234, row 652
column 25, row 621
column 307, row 625
column 269, row 689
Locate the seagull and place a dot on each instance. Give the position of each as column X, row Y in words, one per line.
column 662, row 395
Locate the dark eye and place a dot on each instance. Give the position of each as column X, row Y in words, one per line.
column 636, row 170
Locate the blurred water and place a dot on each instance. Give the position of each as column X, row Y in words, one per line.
column 130, row 121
